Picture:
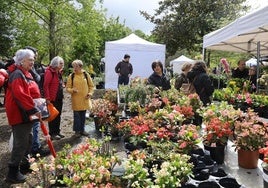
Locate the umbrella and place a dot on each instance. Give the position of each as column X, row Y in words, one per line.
column 49, row 142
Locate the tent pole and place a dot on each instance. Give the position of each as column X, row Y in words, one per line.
column 258, row 65
column 204, row 54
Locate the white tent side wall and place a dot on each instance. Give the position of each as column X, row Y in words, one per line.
column 141, row 57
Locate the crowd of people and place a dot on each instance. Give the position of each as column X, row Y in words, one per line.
column 23, row 84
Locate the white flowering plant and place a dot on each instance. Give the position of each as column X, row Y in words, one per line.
column 173, row 172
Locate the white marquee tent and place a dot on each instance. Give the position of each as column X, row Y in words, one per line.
column 178, row 62
column 248, row 34
column 142, row 54
column 242, row 35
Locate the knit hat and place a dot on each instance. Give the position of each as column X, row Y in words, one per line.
column 126, row 56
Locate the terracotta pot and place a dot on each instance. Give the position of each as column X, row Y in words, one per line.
column 248, row 159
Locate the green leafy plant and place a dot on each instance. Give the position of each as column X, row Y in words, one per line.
column 173, row 171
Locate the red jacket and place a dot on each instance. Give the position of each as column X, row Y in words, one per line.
column 21, row 91
column 51, row 84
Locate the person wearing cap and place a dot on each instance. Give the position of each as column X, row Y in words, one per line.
column 124, row 70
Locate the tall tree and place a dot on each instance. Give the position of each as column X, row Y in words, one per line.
column 5, row 28
column 44, row 24
column 182, row 24
column 86, row 25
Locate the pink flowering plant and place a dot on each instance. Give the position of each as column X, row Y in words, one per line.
column 188, row 137
column 222, row 110
column 100, row 108
column 250, row 132
column 90, row 164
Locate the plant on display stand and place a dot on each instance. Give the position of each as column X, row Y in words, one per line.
column 251, row 134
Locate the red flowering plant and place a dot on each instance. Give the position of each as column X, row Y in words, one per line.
column 162, row 134
column 188, row 137
column 136, row 130
column 187, row 111
column 251, row 133
column 216, row 132
column 264, row 151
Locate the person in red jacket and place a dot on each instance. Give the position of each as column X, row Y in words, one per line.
column 53, row 92
column 20, row 94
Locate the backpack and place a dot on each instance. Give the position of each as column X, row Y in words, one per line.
column 72, row 77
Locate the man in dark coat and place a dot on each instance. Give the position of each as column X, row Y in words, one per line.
column 124, row 70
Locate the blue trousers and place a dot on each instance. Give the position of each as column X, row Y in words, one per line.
column 79, row 120
column 35, row 141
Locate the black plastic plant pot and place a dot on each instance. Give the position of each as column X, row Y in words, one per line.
column 201, row 176
column 229, row 183
column 189, row 185
column 219, row 173
column 197, row 151
column 216, row 153
column 209, row 184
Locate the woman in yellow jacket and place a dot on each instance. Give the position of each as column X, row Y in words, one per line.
column 80, row 86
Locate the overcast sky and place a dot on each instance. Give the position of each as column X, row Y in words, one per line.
column 128, row 10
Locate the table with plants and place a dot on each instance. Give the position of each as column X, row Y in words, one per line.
column 164, row 146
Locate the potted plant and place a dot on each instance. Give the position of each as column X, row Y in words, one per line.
column 215, row 137
column 250, row 135
column 134, row 108
column 188, row 138
column 174, row 170
column 89, row 164
column 102, row 112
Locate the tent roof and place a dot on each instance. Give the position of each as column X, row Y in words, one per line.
column 180, row 59
column 242, row 35
column 134, row 42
